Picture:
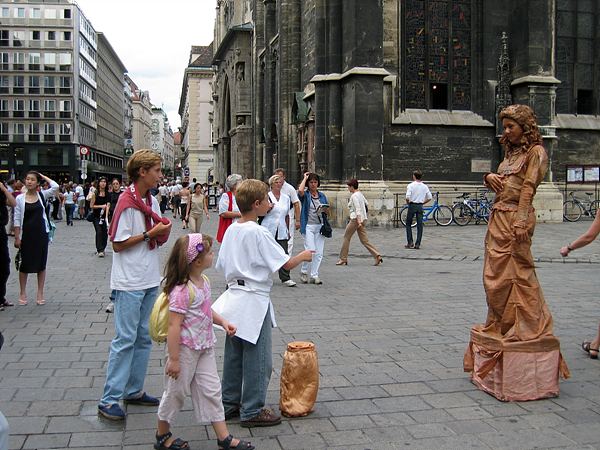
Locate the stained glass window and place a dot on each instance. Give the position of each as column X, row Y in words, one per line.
column 437, row 54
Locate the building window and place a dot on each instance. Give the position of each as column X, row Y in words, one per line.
column 65, row 109
column 4, row 83
column 34, row 132
column 18, row 132
column 18, row 61
column 576, row 66
column 65, row 62
column 50, row 13
column 49, row 61
column 18, row 38
column 19, row 13
column 49, row 85
column 51, row 35
column 35, row 35
column 5, row 12
column 65, row 129
column 34, row 61
column 4, row 61
column 49, row 132
column 34, row 108
column 18, row 108
column 4, row 131
column 65, row 85
column 18, row 84
column 66, row 35
column 34, row 84
column 4, row 108
column 437, row 54
column 49, row 109
column 4, row 38
column 66, row 13
column 36, row 13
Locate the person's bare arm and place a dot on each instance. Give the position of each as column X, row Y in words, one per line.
column 10, row 199
column 158, row 230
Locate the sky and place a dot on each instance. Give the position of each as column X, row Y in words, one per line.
column 153, row 40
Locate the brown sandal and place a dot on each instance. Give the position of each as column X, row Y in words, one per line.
column 587, row 347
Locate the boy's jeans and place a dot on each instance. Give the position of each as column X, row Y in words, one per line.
column 130, row 349
column 247, row 371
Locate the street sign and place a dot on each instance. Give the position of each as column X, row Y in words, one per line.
column 83, row 150
column 186, row 172
column 128, row 151
column 83, row 176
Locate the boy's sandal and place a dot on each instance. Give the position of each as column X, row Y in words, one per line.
column 177, row 444
column 225, row 444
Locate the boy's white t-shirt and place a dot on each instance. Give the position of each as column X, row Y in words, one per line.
column 249, row 252
column 137, row 267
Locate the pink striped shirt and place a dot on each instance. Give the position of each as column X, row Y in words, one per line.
column 197, row 326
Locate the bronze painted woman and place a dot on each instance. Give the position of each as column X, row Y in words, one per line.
column 515, row 355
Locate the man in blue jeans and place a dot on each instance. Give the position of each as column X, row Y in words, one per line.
column 135, row 278
column 417, row 195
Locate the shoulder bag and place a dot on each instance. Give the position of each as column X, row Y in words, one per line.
column 224, row 223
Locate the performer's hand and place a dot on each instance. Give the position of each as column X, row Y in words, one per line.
column 494, row 181
column 521, row 234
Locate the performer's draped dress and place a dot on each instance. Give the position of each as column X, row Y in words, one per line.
column 515, row 355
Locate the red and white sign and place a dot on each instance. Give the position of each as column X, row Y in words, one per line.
column 83, row 150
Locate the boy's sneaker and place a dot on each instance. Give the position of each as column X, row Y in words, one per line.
column 110, row 307
column 304, row 278
column 315, row 280
column 289, row 283
column 111, row 412
column 144, row 400
column 265, row 418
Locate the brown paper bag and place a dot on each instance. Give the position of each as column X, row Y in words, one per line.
column 299, row 379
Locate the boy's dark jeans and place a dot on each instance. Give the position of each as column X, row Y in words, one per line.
column 414, row 209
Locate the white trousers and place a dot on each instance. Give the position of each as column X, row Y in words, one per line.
column 198, row 377
column 314, row 241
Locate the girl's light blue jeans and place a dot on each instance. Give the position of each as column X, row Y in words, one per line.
column 131, row 347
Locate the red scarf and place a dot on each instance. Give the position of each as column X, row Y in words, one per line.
column 131, row 198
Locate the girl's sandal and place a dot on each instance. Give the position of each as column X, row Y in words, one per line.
column 225, row 444
column 177, row 444
column 22, row 302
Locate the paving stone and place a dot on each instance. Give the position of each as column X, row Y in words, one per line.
column 302, row 441
column 526, row 439
column 352, row 422
column 41, row 441
column 348, row 437
column 95, row 439
column 429, row 430
column 469, row 427
column 27, row 425
column 305, row 426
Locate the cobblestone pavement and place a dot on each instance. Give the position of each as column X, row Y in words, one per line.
column 390, row 342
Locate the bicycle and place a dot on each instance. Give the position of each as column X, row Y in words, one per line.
column 467, row 209
column 573, row 209
column 442, row 214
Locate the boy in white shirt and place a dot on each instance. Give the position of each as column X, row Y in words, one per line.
column 248, row 256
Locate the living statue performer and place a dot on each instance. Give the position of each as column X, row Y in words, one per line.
column 515, row 356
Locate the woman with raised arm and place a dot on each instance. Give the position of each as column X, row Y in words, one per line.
column 314, row 204
column 515, row 355
column 31, row 233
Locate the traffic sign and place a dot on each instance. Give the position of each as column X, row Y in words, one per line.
column 186, row 172
column 83, row 176
column 83, row 150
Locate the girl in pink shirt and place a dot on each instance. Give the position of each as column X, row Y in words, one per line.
column 190, row 361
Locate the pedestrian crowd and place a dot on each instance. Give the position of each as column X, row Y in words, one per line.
column 257, row 222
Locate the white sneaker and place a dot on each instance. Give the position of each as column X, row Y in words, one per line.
column 110, row 307
column 290, row 283
column 304, row 278
column 101, row 255
column 316, row 280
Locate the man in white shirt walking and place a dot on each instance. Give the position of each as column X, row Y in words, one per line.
column 417, row 195
column 294, row 213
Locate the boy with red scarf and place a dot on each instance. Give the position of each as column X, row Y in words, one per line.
column 136, row 231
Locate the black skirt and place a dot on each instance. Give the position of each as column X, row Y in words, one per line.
column 34, row 239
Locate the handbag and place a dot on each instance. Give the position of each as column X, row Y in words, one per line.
column 224, row 223
column 326, row 229
column 90, row 216
column 18, row 260
column 158, row 324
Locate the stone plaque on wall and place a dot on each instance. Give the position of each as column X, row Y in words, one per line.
column 480, row 165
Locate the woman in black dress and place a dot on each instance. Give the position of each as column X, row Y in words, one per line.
column 99, row 203
column 31, row 233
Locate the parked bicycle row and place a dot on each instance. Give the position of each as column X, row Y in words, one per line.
column 464, row 210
